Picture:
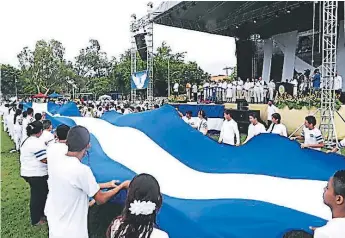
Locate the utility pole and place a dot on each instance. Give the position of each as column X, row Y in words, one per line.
column 227, row 70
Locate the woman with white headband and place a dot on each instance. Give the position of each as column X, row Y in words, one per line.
column 138, row 218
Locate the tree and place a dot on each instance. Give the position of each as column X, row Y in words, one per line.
column 9, row 79
column 92, row 63
column 44, row 66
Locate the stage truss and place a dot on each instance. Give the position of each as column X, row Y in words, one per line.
column 329, row 57
column 146, row 24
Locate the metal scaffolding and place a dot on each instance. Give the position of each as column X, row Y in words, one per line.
column 133, row 55
column 150, row 56
column 329, row 56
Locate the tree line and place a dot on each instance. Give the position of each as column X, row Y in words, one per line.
column 46, row 70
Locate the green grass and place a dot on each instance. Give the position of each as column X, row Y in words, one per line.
column 15, row 197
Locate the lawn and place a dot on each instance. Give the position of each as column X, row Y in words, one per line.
column 15, row 197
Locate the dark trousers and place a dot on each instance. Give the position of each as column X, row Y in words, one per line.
column 195, row 95
column 38, row 197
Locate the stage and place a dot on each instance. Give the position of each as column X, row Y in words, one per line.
column 292, row 119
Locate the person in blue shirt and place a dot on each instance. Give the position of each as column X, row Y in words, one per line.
column 316, row 79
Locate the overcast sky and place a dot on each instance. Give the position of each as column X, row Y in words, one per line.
column 74, row 22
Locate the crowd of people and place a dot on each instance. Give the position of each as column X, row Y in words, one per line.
column 62, row 188
column 255, row 90
column 229, row 134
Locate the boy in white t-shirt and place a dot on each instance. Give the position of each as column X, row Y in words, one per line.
column 334, row 198
column 312, row 136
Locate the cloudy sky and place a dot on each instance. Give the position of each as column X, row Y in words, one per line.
column 74, row 22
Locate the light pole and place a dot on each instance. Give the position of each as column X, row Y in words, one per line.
column 168, row 77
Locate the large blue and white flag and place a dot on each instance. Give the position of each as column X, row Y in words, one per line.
column 259, row 190
column 140, row 80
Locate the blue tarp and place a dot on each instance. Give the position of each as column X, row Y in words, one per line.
column 69, row 109
column 55, row 95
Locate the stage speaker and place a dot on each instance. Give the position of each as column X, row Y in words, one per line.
column 244, row 54
column 242, row 104
column 141, row 45
column 242, row 118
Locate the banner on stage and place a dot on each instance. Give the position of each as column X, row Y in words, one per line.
column 140, row 80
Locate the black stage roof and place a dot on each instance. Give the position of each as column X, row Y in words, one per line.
column 241, row 18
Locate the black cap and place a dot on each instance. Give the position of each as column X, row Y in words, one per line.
column 78, row 139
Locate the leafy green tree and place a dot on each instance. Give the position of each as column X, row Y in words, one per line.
column 10, row 79
column 44, row 66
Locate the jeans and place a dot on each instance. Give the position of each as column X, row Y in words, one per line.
column 38, row 197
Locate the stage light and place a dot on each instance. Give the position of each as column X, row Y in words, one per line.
column 236, row 27
column 150, row 5
column 254, row 21
column 134, row 16
column 288, row 11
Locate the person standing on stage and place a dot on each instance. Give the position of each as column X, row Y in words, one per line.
column 316, row 79
column 219, row 91
column 195, row 92
column 338, row 83
column 234, row 88
column 271, row 88
column 206, row 87
column 176, row 85
column 224, row 86
column 246, row 88
column 188, row 88
column 257, row 97
column 239, row 88
column 229, row 92
column 213, row 87
column 270, row 110
column 251, row 90
column 294, row 82
column 261, row 89
column 311, row 135
column 255, row 128
column 229, row 130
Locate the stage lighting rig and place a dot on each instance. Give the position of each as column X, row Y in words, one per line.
column 134, row 17
column 150, row 5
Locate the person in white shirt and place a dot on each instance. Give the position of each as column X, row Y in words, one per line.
column 224, row 87
column 58, row 148
column 206, row 90
column 276, row 127
column 229, row 92
column 338, row 83
column 99, row 112
column 195, row 92
column 255, row 128
column 261, row 89
column 26, row 120
column 176, row 85
column 202, row 124
column 138, row 219
column 271, row 88
column 294, row 82
column 47, row 136
column 71, row 183
column 220, row 91
column 270, row 110
column 18, row 122
column 239, row 88
column 246, row 88
column 189, row 120
column 312, row 136
column 229, row 130
column 334, row 198
column 33, row 168
column 234, row 88
column 257, row 96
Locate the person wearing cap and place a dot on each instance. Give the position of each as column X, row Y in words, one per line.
column 71, row 184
